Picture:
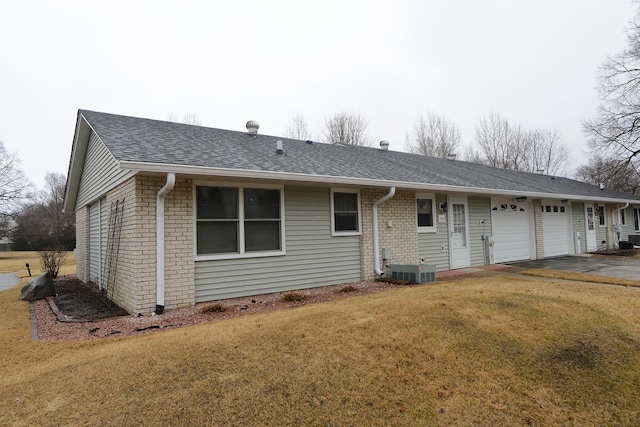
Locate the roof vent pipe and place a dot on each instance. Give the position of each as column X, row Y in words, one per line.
column 376, row 243
column 384, row 145
column 279, row 149
column 252, row 127
column 451, row 156
column 540, row 171
column 602, row 185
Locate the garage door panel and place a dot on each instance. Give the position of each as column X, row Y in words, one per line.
column 556, row 229
column 511, row 231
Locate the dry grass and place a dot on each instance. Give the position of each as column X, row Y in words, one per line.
column 293, row 297
column 492, row 351
column 581, row 277
column 15, row 261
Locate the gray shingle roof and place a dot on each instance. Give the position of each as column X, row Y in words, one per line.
column 152, row 141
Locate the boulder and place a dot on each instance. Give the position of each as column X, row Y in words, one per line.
column 38, row 288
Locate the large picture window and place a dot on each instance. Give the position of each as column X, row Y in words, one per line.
column 345, row 212
column 238, row 221
column 425, row 204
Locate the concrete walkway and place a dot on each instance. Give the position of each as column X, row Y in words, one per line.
column 8, row 280
column 601, row 265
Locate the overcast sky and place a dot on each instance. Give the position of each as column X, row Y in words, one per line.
column 534, row 62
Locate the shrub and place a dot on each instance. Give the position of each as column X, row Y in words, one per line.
column 52, row 260
column 215, row 307
column 345, row 289
column 293, row 297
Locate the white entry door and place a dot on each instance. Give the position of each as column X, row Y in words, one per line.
column 590, row 222
column 459, row 251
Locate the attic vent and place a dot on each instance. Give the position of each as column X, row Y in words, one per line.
column 384, row 145
column 451, row 156
column 252, row 127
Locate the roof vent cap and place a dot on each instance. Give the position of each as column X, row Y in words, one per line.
column 252, row 127
column 451, row 156
column 384, row 145
column 279, row 148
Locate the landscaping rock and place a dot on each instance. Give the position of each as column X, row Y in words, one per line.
column 38, row 288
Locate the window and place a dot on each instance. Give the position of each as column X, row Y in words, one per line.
column 237, row 221
column 345, row 212
column 425, row 204
column 601, row 222
column 636, row 219
column 623, row 217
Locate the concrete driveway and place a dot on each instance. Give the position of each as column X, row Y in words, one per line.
column 603, row 265
column 8, row 280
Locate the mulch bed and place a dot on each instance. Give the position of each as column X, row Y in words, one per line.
column 83, row 315
column 618, row 252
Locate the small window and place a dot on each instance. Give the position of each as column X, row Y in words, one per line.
column 562, row 209
column 345, row 212
column 555, row 209
column 601, row 218
column 425, row 204
column 623, row 218
column 636, row 219
column 547, row 208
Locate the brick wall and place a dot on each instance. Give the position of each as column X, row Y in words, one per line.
column 400, row 235
column 82, row 244
column 136, row 276
column 537, row 223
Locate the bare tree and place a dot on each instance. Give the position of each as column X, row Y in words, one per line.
column 41, row 224
column 433, row 136
column 500, row 142
column 297, row 128
column 346, row 128
column 509, row 146
column 13, row 183
column 615, row 131
column 615, row 174
column 189, row 119
column 544, row 150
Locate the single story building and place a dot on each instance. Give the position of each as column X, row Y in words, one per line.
column 170, row 214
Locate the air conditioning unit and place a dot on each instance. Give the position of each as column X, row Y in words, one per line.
column 413, row 273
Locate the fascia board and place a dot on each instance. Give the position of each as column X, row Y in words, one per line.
column 76, row 163
column 341, row 180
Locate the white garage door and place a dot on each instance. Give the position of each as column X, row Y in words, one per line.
column 511, row 224
column 556, row 228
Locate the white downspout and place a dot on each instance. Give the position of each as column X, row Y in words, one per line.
column 618, row 220
column 376, row 249
column 171, row 181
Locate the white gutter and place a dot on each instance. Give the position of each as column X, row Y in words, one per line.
column 171, row 181
column 327, row 179
column 376, row 249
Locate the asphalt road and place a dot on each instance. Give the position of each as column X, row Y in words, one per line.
column 602, row 265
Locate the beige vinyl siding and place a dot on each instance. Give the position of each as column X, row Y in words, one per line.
column 97, row 240
column 100, row 173
column 627, row 229
column 479, row 210
column 434, row 247
column 578, row 223
column 601, row 231
column 313, row 257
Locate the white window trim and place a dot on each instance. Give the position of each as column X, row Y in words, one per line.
column 604, row 214
column 242, row 253
column 432, row 196
column 333, row 225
